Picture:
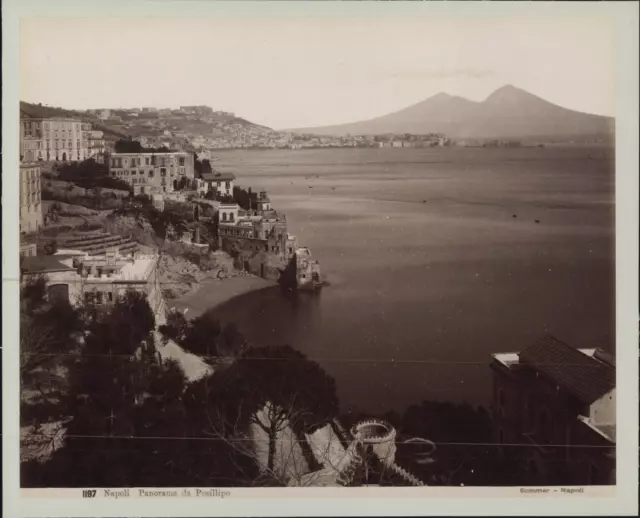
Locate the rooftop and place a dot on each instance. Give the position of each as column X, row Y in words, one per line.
column 584, row 373
column 43, row 264
column 608, row 432
column 125, row 268
column 218, row 176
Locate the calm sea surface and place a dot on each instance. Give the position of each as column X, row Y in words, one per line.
column 430, row 271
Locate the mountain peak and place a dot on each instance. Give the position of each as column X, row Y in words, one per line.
column 441, row 95
column 508, row 113
column 507, row 92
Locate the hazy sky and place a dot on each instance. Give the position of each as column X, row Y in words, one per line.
column 309, row 71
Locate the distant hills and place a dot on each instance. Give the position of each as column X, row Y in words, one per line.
column 508, row 113
column 127, row 125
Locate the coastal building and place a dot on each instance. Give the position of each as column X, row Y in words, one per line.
column 30, row 198
column 152, row 173
column 53, row 139
column 104, row 114
column 221, row 183
column 258, row 241
column 307, row 269
column 262, row 202
column 78, row 277
column 559, row 403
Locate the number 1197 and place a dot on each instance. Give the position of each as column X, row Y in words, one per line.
column 88, row 493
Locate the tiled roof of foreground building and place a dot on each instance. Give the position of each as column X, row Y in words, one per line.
column 584, row 376
column 366, row 458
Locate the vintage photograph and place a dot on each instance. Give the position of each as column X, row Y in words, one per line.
column 317, row 251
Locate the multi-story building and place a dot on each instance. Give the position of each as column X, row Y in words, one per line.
column 152, row 173
column 259, row 241
column 79, row 278
column 222, row 183
column 96, row 145
column 554, row 410
column 53, row 139
column 30, row 198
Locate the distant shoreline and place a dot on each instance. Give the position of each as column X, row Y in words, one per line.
column 452, row 146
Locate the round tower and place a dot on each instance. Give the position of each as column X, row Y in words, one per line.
column 380, row 435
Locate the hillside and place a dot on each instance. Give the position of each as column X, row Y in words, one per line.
column 39, row 111
column 126, row 124
column 507, row 113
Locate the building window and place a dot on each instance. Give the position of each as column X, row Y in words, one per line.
column 89, row 297
column 151, row 173
column 163, row 171
column 224, row 216
column 110, row 296
column 99, row 297
column 146, row 161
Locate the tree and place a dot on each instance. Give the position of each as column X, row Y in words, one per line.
column 466, row 431
column 90, row 174
column 122, row 396
column 273, row 388
column 202, row 336
column 176, row 326
column 243, row 197
column 128, row 146
column 47, row 331
column 130, row 322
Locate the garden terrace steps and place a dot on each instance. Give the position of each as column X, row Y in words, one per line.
column 97, row 242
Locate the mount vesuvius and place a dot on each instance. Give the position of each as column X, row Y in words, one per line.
column 507, row 113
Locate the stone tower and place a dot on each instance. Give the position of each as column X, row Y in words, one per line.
column 380, row 435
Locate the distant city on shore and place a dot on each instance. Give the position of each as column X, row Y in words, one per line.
column 510, row 117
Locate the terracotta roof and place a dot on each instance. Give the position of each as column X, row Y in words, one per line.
column 584, row 377
column 42, row 264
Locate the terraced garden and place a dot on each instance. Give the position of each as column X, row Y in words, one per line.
column 97, row 242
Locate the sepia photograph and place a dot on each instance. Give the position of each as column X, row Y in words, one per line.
column 303, row 245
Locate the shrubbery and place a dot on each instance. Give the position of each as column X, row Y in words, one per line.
column 90, row 174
